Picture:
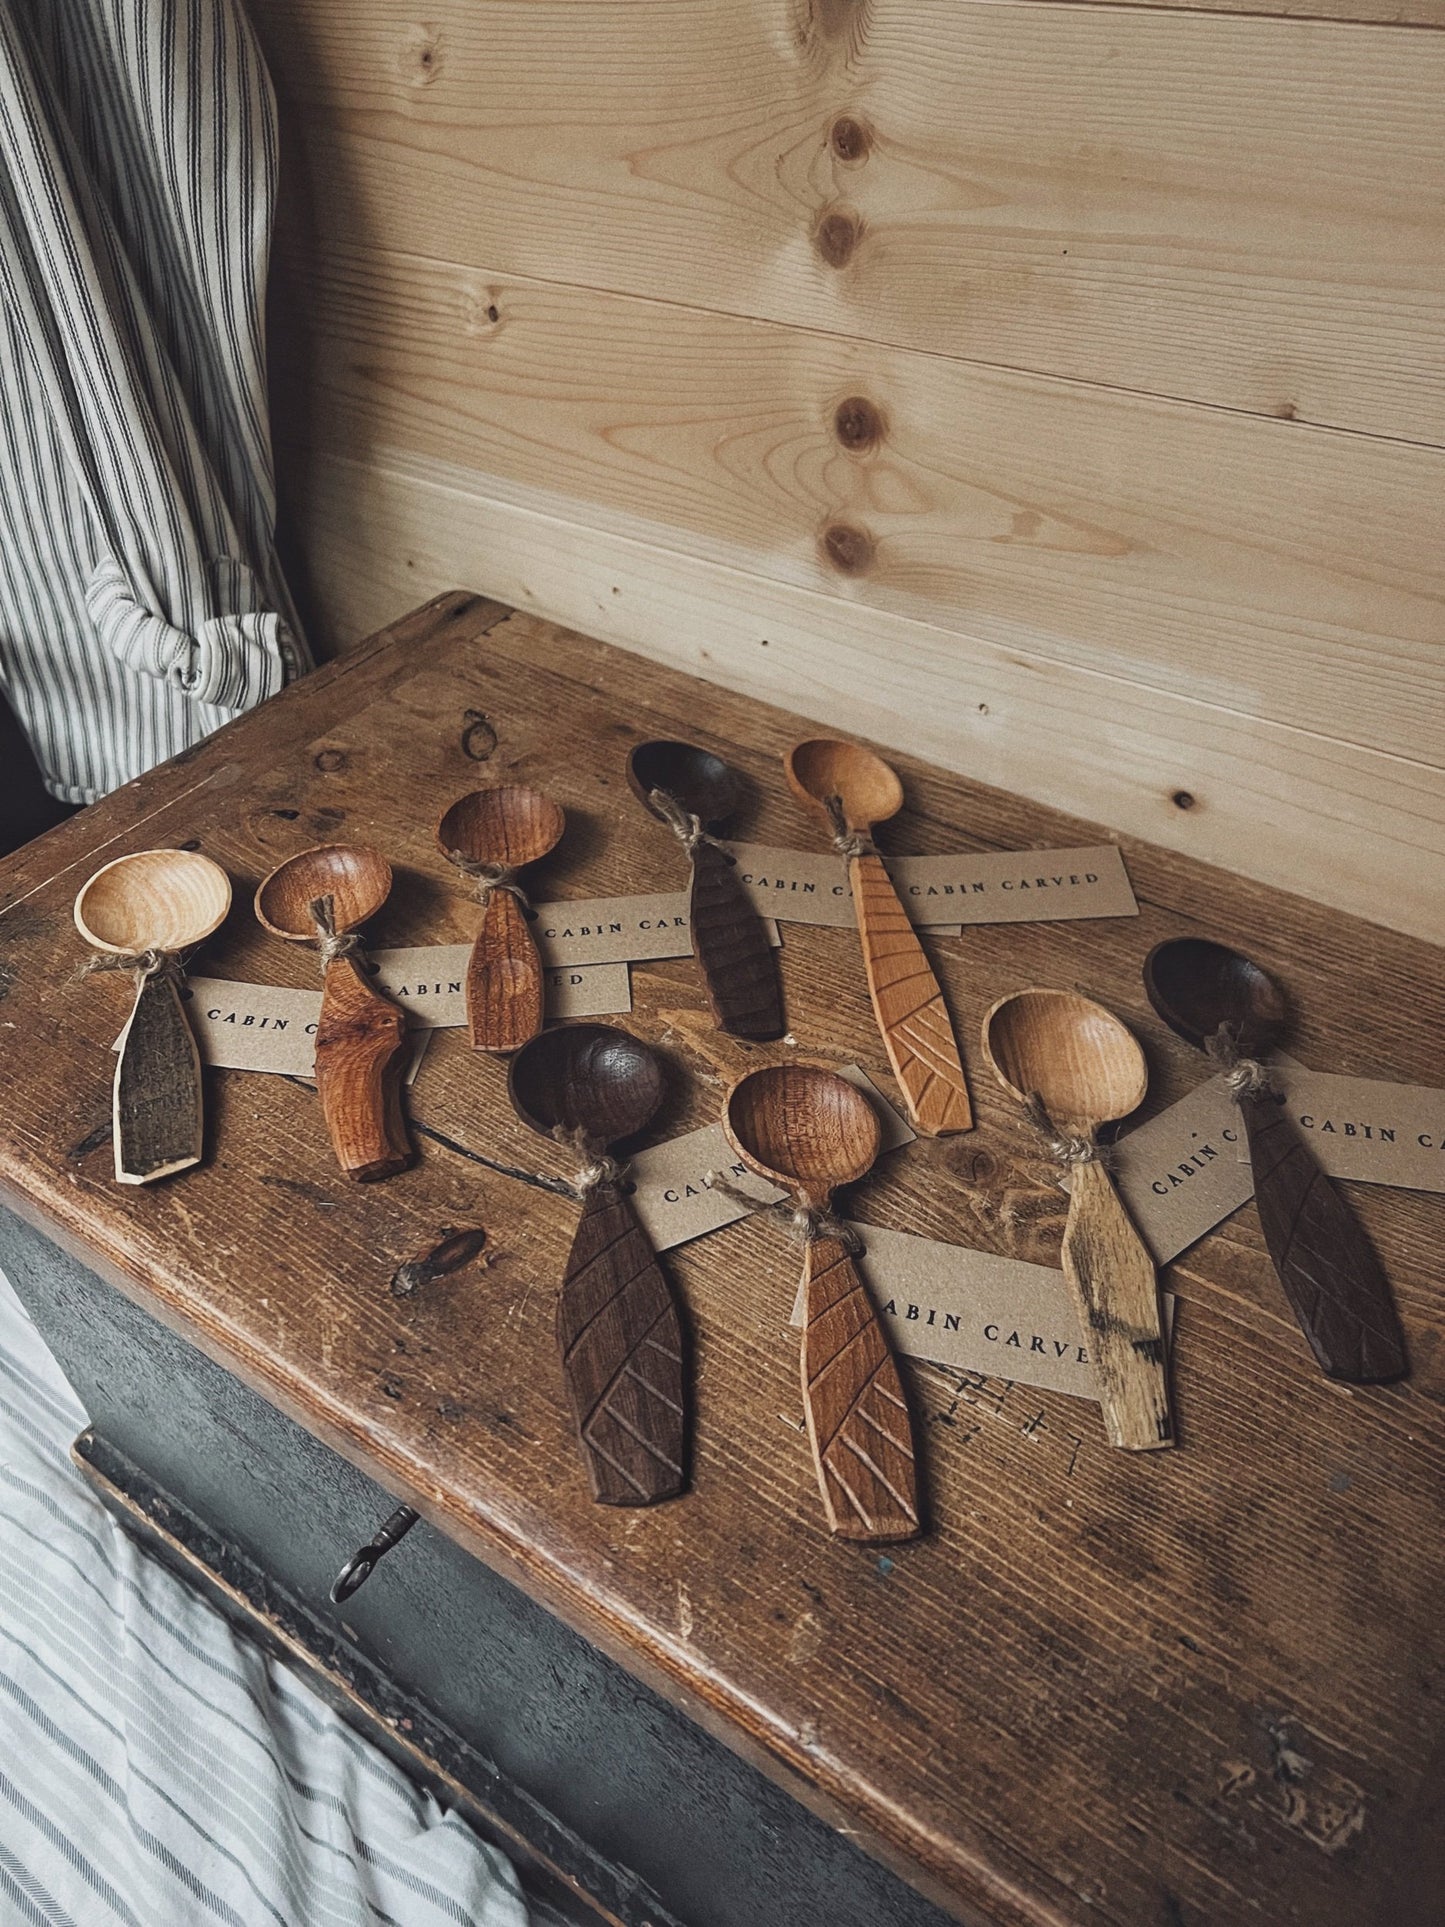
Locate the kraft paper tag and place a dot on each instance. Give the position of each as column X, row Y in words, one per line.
column 429, row 982
column 992, row 886
column 676, row 1203
column 262, row 1027
column 1179, row 1174
column 1365, row 1127
column 591, row 930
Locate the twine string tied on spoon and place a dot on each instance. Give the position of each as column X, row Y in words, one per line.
column 144, row 963
column 331, row 942
column 846, row 842
column 1065, row 1147
column 1245, row 1076
column 596, row 1168
column 685, row 824
column 805, row 1224
column 491, row 877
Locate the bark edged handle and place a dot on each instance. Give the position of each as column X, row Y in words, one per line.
column 504, row 978
column 912, row 1016
column 858, row 1420
column 739, row 969
column 359, row 1041
column 1331, row 1275
column 158, row 1121
column 1116, row 1292
column 620, row 1339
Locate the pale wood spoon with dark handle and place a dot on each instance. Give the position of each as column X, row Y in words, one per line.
column 618, row 1332
column 1222, row 1003
column 147, row 907
column 686, row 786
column 499, row 831
column 808, row 1131
column 852, row 789
column 361, row 1035
column 1065, row 1052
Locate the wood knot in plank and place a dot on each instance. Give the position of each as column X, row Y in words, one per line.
column 837, row 235
column 849, row 139
column 849, row 549
column 858, row 423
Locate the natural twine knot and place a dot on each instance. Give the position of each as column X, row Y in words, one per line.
column 1245, row 1076
column 847, row 842
column 596, row 1168
column 684, row 824
column 1065, row 1147
column 805, row 1224
column 329, row 941
column 491, row 877
column 145, row 963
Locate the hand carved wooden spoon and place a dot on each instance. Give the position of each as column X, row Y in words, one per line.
column 808, row 1131
column 593, row 1086
column 853, row 789
column 492, row 834
column 142, row 910
column 1227, row 1006
column 694, row 792
column 1074, row 1066
column 320, row 897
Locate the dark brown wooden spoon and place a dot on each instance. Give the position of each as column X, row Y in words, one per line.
column 319, row 897
column 808, row 1131
column 695, row 792
column 491, row 834
column 594, row 1086
column 1227, row 1006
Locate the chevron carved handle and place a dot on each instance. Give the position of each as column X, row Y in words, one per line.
column 858, row 1421
column 739, row 970
column 621, row 1344
column 912, row 1016
column 1335, row 1284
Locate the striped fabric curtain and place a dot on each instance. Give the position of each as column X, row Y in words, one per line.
column 141, row 603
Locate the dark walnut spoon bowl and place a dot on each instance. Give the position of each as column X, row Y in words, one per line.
column 1222, row 1003
column 695, row 792
column 618, row 1329
column 807, row 1130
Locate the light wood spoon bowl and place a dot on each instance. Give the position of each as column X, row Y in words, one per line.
column 504, row 828
column 1332, row 1276
column 1086, row 1068
column 155, row 903
column 361, row 1035
column 852, row 789
column 618, row 1330
column 809, row 1131
column 739, row 970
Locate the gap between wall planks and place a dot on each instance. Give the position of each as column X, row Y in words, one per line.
column 1348, row 826
column 1229, row 210
column 1282, row 571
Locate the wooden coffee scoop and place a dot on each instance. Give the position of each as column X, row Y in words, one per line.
column 320, row 897
column 1227, row 1006
column 1074, row 1066
column 592, row 1086
column 808, row 1131
column 491, row 834
column 853, row 789
column 142, row 910
column 694, row 792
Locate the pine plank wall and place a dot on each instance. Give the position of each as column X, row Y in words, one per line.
column 1054, row 390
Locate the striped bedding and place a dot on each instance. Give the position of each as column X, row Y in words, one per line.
column 156, row 1770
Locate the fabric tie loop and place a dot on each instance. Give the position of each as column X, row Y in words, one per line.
column 231, row 662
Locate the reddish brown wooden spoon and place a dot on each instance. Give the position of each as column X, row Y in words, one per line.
column 492, row 834
column 694, row 792
column 320, row 897
column 808, row 1131
column 1223, row 1004
column 594, row 1086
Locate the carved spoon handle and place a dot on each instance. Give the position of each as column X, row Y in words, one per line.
column 359, row 1041
column 1333, row 1280
column 912, row 1016
column 858, row 1421
column 739, row 970
column 504, row 978
column 157, row 1105
column 1116, row 1293
column 621, row 1346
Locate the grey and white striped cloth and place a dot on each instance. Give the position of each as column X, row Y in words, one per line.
column 156, row 1770
column 141, row 602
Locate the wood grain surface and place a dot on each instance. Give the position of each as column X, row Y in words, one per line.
column 1330, row 1271
column 621, row 1346
column 1193, row 1686
column 158, row 1100
column 505, row 990
column 1116, row 1290
column 360, row 1042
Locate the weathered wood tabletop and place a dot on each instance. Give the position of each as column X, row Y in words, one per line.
column 1185, row 1687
